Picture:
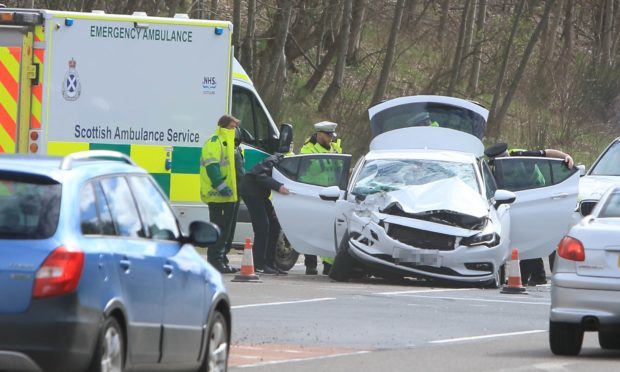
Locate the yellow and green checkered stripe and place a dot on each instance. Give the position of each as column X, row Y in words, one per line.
column 181, row 183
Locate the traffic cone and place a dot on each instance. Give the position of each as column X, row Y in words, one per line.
column 514, row 276
column 247, row 274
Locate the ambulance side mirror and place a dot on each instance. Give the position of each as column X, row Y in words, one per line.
column 286, row 138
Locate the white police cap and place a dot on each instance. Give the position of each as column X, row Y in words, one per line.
column 325, row 126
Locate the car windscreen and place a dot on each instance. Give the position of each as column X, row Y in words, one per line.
column 384, row 175
column 29, row 206
column 609, row 163
column 439, row 114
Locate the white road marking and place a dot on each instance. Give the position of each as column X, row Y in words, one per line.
column 398, row 293
column 483, row 300
column 487, row 336
column 301, row 359
column 284, row 303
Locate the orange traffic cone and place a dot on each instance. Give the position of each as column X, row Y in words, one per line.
column 514, row 276
column 247, row 274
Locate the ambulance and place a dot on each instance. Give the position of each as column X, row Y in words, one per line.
column 150, row 87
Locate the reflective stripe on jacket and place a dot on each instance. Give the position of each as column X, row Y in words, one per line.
column 219, row 149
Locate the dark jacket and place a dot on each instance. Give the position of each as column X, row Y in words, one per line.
column 258, row 181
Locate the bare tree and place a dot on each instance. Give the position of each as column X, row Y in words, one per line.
column 276, row 56
column 443, row 20
column 247, row 47
column 237, row 27
column 213, row 9
column 492, row 127
column 458, row 51
column 499, row 117
column 474, row 77
column 606, row 30
column 390, row 52
column 343, row 45
column 359, row 14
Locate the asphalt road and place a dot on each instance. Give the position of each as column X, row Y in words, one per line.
column 304, row 323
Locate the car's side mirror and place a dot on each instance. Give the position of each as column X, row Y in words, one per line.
column 331, row 193
column 582, row 170
column 203, row 233
column 286, row 138
column 504, row 197
column 586, row 207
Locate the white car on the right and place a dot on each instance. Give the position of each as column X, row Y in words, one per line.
column 604, row 173
column 585, row 287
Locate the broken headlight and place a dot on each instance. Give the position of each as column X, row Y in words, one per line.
column 487, row 236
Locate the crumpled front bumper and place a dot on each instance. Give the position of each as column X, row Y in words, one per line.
column 375, row 248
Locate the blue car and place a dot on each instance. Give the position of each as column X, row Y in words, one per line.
column 96, row 275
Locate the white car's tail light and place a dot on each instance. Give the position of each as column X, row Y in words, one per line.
column 60, row 273
column 571, row 249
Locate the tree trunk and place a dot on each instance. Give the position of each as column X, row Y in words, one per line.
column 469, row 35
column 247, row 47
column 458, row 51
column 492, row 127
column 343, row 45
column 549, row 37
column 213, row 9
column 474, row 77
column 269, row 84
column 237, row 27
column 521, row 69
column 317, row 75
column 359, row 14
column 389, row 54
column 443, row 20
column 606, row 37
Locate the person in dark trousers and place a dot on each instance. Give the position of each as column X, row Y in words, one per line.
column 532, row 270
column 218, row 187
column 255, row 190
column 239, row 172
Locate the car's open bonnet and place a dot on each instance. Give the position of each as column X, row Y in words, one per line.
column 431, row 138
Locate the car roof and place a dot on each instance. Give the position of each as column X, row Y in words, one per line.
column 50, row 166
column 422, row 154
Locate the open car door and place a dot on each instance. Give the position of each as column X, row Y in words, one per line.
column 546, row 197
column 308, row 221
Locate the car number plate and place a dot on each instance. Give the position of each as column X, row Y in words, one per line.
column 417, row 258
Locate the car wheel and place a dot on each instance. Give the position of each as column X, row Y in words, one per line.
column 565, row 338
column 286, row 256
column 609, row 340
column 110, row 351
column 216, row 357
column 344, row 266
column 499, row 279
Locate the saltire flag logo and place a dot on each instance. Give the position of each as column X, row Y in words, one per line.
column 71, row 86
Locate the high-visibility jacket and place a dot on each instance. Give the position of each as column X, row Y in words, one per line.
column 320, row 172
column 218, row 150
column 530, row 177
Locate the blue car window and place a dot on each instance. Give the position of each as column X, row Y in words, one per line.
column 158, row 217
column 123, row 208
column 29, row 207
column 89, row 219
column 107, row 225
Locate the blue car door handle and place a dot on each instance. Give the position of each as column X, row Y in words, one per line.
column 125, row 264
column 168, row 269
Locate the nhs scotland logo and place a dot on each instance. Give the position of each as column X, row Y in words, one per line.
column 71, row 86
column 209, row 85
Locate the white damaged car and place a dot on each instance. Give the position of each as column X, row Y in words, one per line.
column 423, row 202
